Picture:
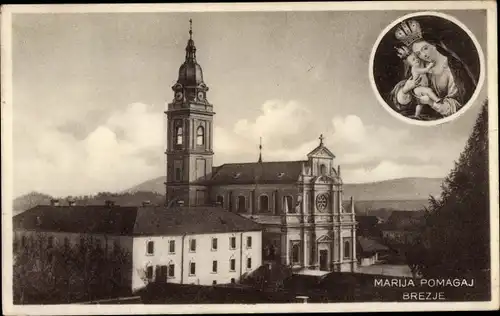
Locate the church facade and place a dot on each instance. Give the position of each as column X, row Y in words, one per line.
column 299, row 203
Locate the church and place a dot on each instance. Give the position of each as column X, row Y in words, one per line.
column 298, row 203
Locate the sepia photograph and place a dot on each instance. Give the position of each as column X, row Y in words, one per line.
column 266, row 158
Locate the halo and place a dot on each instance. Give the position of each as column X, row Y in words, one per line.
column 469, row 103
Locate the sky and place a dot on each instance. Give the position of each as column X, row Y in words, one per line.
column 89, row 91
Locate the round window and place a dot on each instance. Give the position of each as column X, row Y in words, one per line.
column 321, row 202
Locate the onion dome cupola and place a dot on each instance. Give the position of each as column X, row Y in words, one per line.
column 190, row 83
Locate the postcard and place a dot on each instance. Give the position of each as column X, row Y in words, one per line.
column 249, row 157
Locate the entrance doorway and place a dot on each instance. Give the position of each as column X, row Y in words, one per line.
column 323, row 260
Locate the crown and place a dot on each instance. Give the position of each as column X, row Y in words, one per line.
column 408, row 32
column 402, row 52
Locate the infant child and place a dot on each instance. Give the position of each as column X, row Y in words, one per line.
column 418, row 71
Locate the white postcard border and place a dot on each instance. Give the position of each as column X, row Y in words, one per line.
column 7, row 160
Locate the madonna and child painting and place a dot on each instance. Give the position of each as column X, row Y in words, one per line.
column 427, row 68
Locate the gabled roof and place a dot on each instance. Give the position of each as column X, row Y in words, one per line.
column 321, row 150
column 255, row 172
column 132, row 221
column 368, row 245
column 190, row 220
column 114, row 220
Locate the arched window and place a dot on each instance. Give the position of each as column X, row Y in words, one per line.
column 287, row 204
column 322, row 169
column 150, row 247
column 200, row 136
column 220, row 200
column 241, row 204
column 178, row 135
column 232, row 264
column 347, row 249
column 295, row 253
column 264, row 203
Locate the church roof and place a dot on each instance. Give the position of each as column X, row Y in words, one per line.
column 258, row 172
column 132, row 221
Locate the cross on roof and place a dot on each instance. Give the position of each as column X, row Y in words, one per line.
column 321, row 139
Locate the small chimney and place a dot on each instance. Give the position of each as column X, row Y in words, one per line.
column 146, row 203
column 54, row 202
column 109, row 203
column 71, row 202
column 180, row 203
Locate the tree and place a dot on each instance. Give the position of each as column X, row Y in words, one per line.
column 58, row 273
column 456, row 237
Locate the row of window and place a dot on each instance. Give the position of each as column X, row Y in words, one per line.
column 263, row 203
column 169, row 270
column 150, row 247
column 295, row 254
column 200, row 135
column 264, row 206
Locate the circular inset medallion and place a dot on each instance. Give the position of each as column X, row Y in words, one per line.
column 321, row 202
column 426, row 68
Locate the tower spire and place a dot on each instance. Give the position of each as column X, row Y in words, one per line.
column 260, row 150
column 190, row 28
column 190, row 48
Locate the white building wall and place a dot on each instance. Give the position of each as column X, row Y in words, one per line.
column 161, row 256
column 203, row 257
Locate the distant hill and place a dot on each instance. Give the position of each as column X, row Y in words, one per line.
column 32, row 199
column 398, row 190
column 376, row 198
column 28, row 201
column 156, row 185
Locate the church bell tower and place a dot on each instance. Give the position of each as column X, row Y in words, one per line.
column 189, row 133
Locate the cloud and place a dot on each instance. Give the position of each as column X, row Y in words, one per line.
column 349, row 129
column 366, row 152
column 118, row 154
column 281, row 124
column 127, row 148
